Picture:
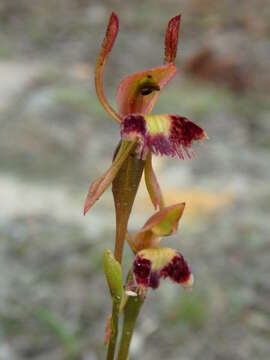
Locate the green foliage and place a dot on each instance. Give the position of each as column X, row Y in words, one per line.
column 11, row 325
column 191, row 308
column 60, row 329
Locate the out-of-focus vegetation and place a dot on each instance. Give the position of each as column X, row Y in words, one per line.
column 55, row 139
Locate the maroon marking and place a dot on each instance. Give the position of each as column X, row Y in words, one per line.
column 133, row 123
column 160, row 144
column 142, row 270
column 177, row 270
column 184, row 132
column 154, row 279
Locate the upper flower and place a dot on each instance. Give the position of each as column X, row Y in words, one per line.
column 163, row 134
column 137, row 94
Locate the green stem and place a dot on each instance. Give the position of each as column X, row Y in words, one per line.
column 114, row 329
column 131, row 313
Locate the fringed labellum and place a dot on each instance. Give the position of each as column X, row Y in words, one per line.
column 150, row 265
column 161, row 134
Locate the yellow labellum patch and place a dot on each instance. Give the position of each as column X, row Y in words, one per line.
column 159, row 257
column 157, row 124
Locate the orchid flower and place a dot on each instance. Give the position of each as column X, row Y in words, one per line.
column 152, row 262
column 151, row 265
column 142, row 133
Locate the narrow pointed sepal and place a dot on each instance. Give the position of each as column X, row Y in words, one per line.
column 110, row 36
column 151, row 265
column 98, row 187
column 171, row 39
column 152, row 184
column 164, row 134
column 138, row 93
column 162, row 223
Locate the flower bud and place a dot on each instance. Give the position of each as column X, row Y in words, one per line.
column 113, row 272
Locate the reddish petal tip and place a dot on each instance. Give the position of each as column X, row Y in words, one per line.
column 114, row 18
column 111, row 33
column 86, row 207
column 175, row 20
column 171, row 39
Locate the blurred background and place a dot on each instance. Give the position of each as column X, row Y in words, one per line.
column 55, row 139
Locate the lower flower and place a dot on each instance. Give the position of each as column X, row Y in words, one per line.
column 151, row 265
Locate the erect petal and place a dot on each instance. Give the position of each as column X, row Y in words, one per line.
column 171, row 39
column 162, row 223
column 150, row 265
column 152, row 183
column 110, row 36
column 98, row 187
column 162, row 134
column 138, row 93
